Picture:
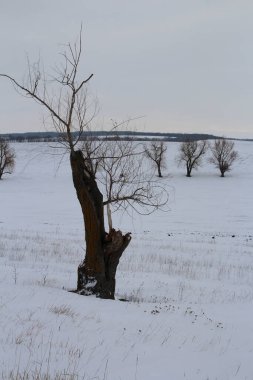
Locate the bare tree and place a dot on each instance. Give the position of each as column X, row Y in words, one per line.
column 190, row 154
column 69, row 110
column 223, row 155
column 7, row 158
column 155, row 151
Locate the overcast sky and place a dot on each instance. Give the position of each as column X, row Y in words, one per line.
column 185, row 65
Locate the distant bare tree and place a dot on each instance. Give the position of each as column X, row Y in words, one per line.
column 123, row 180
column 155, row 151
column 223, row 155
column 7, row 158
column 190, row 154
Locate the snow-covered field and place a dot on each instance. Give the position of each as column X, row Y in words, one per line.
column 188, row 276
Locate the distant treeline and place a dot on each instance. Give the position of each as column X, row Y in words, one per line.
column 107, row 135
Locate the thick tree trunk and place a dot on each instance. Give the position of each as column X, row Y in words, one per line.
column 96, row 275
column 159, row 171
column 188, row 170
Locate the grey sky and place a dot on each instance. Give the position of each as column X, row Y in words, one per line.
column 187, row 65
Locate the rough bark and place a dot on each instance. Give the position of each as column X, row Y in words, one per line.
column 96, row 275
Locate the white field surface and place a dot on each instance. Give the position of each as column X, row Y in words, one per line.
column 188, row 276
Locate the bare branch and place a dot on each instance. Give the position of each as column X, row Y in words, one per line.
column 67, row 106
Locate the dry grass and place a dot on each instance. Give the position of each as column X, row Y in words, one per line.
column 62, row 310
column 13, row 375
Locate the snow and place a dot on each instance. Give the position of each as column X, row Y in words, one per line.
column 187, row 276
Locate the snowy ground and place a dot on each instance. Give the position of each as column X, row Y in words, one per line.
column 188, row 275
